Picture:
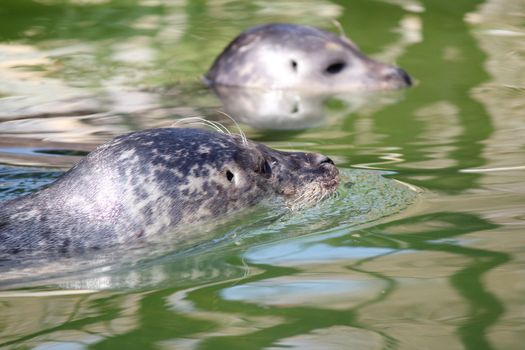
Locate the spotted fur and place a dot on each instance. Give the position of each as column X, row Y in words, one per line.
column 152, row 182
column 289, row 56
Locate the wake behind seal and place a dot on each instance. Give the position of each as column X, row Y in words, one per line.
column 142, row 185
column 290, row 56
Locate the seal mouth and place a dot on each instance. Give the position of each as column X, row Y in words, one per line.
column 318, row 189
column 331, row 178
column 331, row 184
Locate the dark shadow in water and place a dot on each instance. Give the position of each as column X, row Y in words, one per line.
column 448, row 64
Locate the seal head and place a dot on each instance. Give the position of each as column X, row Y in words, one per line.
column 289, row 56
column 149, row 183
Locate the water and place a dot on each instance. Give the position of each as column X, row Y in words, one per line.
column 441, row 268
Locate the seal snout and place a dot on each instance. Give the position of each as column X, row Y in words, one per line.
column 397, row 75
column 326, row 160
column 316, row 159
column 290, row 56
column 327, row 167
column 404, row 75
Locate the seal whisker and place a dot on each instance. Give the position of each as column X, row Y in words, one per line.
column 222, row 127
column 202, row 121
column 340, row 28
column 262, row 58
column 312, row 193
column 241, row 132
column 156, row 182
column 297, row 201
column 217, row 126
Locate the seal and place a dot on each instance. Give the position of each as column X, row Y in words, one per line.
column 147, row 184
column 290, row 56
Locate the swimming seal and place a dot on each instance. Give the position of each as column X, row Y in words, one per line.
column 148, row 183
column 289, row 56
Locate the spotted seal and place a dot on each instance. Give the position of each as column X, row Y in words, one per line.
column 148, row 183
column 290, row 56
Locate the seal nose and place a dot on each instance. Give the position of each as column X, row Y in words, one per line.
column 398, row 74
column 404, row 75
column 326, row 160
column 319, row 159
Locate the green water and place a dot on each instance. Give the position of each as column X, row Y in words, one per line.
column 443, row 268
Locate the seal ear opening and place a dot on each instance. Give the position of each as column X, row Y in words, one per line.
column 229, row 175
column 265, row 169
column 293, row 63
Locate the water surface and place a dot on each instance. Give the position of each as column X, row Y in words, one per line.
column 445, row 272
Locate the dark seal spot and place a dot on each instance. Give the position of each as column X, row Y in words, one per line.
column 306, row 49
column 156, row 182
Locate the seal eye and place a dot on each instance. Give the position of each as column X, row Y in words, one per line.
column 229, row 175
column 335, row 67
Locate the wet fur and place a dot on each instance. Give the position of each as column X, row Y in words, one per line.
column 292, row 56
column 149, row 183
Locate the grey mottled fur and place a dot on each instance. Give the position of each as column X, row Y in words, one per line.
column 300, row 57
column 147, row 183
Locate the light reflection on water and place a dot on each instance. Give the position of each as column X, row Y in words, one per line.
column 444, row 273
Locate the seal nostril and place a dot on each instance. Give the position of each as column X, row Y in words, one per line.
column 316, row 159
column 404, row 75
column 326, row 160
